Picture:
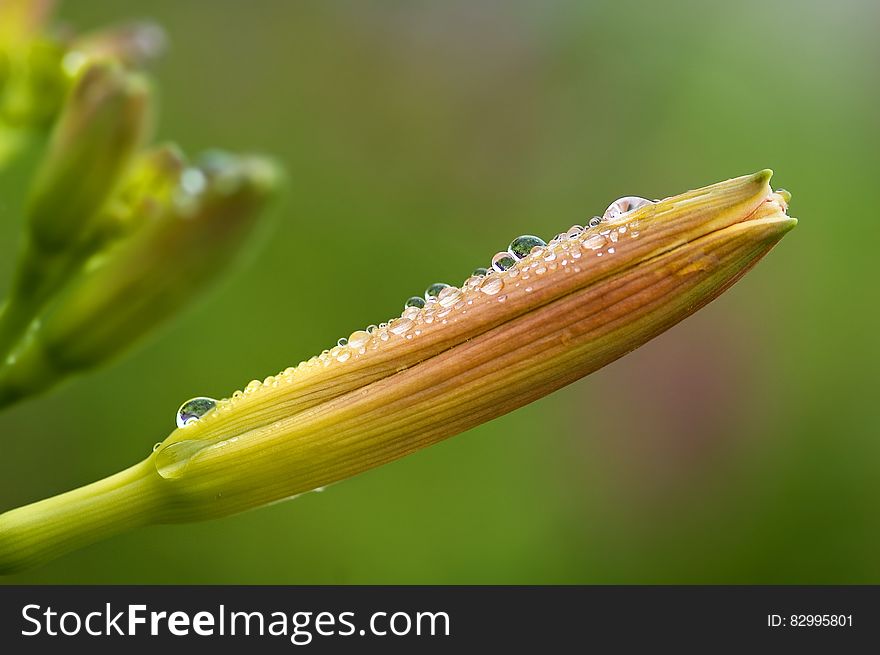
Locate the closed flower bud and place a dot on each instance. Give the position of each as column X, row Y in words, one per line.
column 103, row 122
column 547, row 315
column 183, row 239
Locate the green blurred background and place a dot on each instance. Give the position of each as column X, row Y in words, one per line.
column 743, row 446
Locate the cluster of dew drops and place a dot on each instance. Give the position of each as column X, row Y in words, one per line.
column 440, row 299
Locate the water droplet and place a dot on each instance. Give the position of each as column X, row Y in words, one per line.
column 594, row 221
column 342, row 341
column 491, row 285
column 415, row 301
column 529, row 289
column 595, row 242
column 624, row 205
column 157, row 446
column 372, row 328
column 449, row 296
column 434, row 290
column 503, row 261
column 574, row 230
column 401, row 326
column 194, row 409
column 358, row 339
column 343, row 356
column 522, row 245
column 480, row 272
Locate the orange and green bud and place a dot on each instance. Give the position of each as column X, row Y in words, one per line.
column 544, row 316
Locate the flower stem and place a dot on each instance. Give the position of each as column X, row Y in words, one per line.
column 43, row 530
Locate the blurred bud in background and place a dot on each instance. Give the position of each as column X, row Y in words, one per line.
column 103, row 123
column 40, row 62
column 180, row 241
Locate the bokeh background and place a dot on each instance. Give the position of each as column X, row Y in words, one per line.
column 743, row 446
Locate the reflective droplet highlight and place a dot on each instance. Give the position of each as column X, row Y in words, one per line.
column 401, row 326
column 502, row 261
column 358, row 339
column 594, row 222
column 415, row 301
column 194, row 409
column 624, row 206
column 522, row 245
column 434, row 290
column 480, row 272
column 491, row 285
column 449, row 296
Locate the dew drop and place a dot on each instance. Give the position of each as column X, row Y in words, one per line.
column 342, row 342
column 449, row 296
column 574, row 230
column 480, row 272
column 593, row 222
column 358, row 339
column 503, row 261
column 624, row 206
column 401, row 326
column 491, row 285
column 522, row 245
column 194, row 409
column 595, row 242
column 415, row 301
column 434, row 290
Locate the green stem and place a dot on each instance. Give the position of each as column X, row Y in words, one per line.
column 38, row 277
column 41, row 531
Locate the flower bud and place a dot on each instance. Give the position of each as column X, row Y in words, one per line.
column 103, row 122
column 553, row 314
column 150, row 275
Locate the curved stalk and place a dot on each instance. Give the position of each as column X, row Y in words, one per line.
column 46, row 529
